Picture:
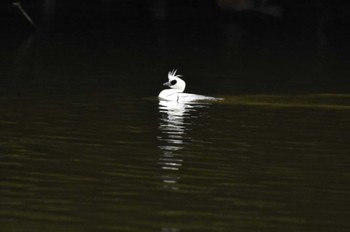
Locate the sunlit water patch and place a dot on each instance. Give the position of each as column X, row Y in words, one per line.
column 330, row 101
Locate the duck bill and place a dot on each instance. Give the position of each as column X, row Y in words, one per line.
column 166, row 84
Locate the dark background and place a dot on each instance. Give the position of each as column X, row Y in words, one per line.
column 306, row 11
column 309, row 35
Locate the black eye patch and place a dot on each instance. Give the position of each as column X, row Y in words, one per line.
column 173, row 82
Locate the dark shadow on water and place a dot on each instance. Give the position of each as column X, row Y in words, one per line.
column 216, row 56
column 85, row 144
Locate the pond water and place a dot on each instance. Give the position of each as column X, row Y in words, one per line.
column 86, row 145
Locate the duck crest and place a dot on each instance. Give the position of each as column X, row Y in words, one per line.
column 172, row 74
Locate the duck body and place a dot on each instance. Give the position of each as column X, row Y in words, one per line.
column 169, row 95
column 176, row 91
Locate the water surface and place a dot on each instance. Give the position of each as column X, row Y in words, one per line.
column 86, row 146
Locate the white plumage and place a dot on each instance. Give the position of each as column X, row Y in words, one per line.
column 177, row 88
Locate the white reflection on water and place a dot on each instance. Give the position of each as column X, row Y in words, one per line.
column 174, row 125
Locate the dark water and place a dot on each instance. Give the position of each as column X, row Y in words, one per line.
column 86, row 146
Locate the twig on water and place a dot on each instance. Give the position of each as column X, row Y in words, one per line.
column 18, row 5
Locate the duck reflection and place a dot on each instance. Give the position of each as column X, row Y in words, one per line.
column 174, row 125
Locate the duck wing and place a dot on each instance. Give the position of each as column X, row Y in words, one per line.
column 186, row 97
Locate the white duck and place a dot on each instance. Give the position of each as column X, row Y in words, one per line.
column 176, row 91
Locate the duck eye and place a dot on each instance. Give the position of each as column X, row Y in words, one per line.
column 173, row 82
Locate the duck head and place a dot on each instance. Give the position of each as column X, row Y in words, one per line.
column 175, row 82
